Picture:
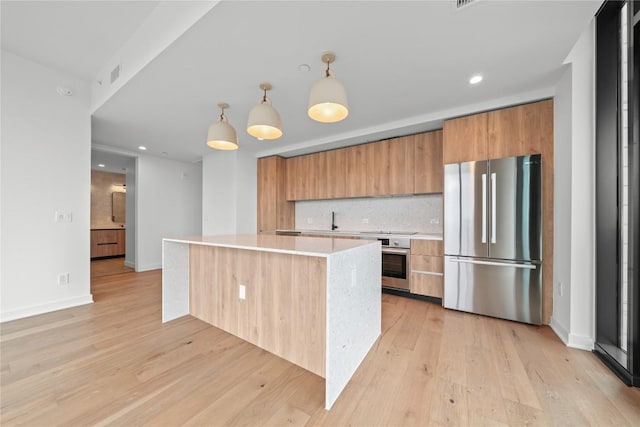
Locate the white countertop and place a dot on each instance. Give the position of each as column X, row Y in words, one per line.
column 367, row 234
column 296, row 245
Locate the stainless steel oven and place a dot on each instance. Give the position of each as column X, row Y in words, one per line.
column 396, row 263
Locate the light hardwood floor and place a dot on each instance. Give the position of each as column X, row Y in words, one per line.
column 108, row 266
column 114, row 363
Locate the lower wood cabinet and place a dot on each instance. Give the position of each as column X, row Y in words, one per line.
column 107, row 242
column 427, row 268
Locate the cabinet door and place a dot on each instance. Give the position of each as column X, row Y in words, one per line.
column 356, row 170
column 391, row 166
column 520, row 130
column 465, row 139
column 292, row 178
column 336, row 173
column 267, row 182
column 274, row 211
column 318, row 179
column 429, row 171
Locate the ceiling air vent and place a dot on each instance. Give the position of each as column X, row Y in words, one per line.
column 463, row 3
column 115, row 73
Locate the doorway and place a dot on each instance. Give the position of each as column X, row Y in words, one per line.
column 112, row 213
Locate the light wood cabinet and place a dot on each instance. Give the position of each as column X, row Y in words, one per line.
column 521, row 130
column 429, row 170
column 274, row 211
column 336, row 174
column 406, row 165
column 107, row 242
column 390, row 167
column 465, row 139
column 356, row 158
column 427, row 268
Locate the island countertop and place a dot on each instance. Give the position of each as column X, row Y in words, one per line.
column 295, row 245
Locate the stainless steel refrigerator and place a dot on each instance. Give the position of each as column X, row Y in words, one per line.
column 493, row 238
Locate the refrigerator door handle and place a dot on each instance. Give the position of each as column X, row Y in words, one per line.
column 493, row 207
column 498, row 264
column 484, row 208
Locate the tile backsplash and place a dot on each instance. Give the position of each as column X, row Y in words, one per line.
column 422, row 214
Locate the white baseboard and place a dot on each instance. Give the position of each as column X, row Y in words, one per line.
column 130, row 264
column 580, row 342
column 560, row 330
column 45, row 308
column 149, row 267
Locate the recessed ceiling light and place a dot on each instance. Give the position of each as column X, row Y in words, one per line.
column 475, row 79
column 142, row 147
column 100, row 165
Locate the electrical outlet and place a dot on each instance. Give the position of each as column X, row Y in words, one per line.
column 242, row 292
column 63, row 279
column 365, row 220
column 560, row 288
column 434, row 221
column 309, row 220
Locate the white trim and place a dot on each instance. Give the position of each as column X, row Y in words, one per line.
column 130, row 264
column 149, row 267
column 45, row 308
column 560, row 331
column 581, row 342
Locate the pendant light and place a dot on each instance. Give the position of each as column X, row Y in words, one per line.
column 264, row 120
column 222, row 135
column 328, row 99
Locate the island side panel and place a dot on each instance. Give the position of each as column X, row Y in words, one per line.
column 284, row 307
column 175, row 280
column 354, row 318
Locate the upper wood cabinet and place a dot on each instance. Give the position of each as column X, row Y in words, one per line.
column 390, row 167
column 514, row 131
column 405, row 165
column 274, row 211
column 356, row 159
column 336, row 174
column 429, row 170
column 520, row 130
column 465, row 139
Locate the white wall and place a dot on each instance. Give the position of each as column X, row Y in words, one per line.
column 168, row 205
column 229, row 193
column 130, row 237
column 574, row 242
column 46, row 143
column 561, row 317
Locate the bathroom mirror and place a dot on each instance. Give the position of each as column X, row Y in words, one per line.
column 118, row 207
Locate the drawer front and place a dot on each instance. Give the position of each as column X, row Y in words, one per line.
column 427, row 247
column 432, row 264
column 431, row 285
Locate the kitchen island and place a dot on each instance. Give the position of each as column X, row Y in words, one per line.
column 315, row 302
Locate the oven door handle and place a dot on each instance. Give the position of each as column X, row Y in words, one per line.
column 395, row 251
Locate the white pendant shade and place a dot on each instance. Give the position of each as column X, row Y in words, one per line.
column 222, row 135
column 264, row 122
column 328, row 101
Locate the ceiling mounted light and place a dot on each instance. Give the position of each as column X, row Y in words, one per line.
column 475, row 79
column 222, row 135
column 328, row 99
column 264, row 120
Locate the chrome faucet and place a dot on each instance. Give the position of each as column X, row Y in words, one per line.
column 333, row 221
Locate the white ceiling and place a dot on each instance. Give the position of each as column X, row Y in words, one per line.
column 403, row 63
column 74, row 36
